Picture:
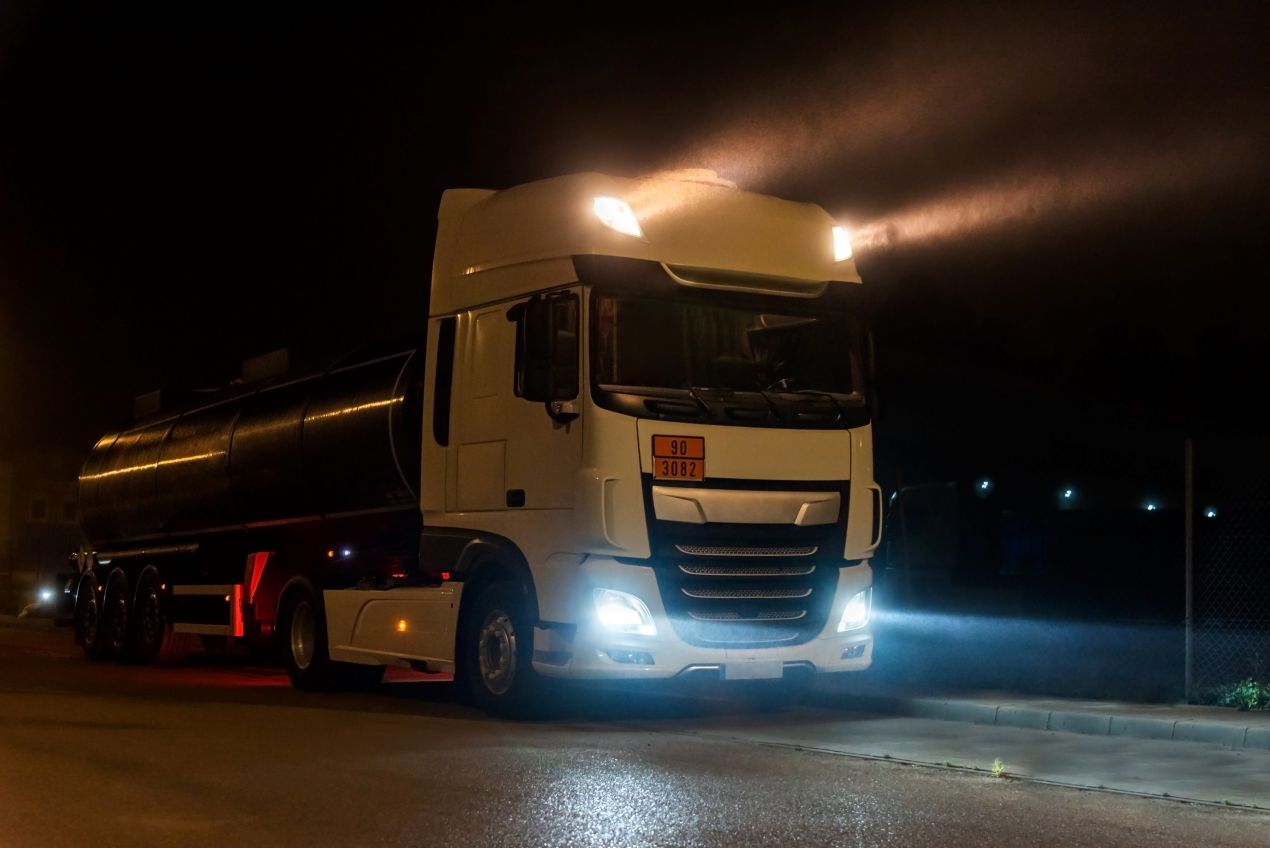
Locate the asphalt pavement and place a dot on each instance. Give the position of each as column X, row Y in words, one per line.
column 220, row 753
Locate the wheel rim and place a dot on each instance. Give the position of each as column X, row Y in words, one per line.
column 496, row 652
column 89, row 620
column 151, row 618
column 302, row 635
column 118, row 621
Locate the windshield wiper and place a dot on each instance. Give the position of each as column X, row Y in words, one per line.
column 854, row 399
column 849, row 398
column 696, row 395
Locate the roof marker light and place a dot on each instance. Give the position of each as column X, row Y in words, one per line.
column 841, row 244
column 616, row 214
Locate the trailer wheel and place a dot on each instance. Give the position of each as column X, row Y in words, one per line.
column 114, row 615
column 497, row 653
column 305, row 653
column 89, row 630
column 153, row 640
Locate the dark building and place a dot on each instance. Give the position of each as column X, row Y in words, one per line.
column 38, row 523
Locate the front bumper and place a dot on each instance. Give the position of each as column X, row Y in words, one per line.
column 586, row 651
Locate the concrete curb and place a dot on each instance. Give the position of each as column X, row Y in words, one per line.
column 1231, row 734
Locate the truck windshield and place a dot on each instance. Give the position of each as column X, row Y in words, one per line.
column 654, row 343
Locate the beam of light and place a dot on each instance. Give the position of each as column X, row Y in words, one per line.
column 1069, row 193
column 942, row 125
column 937, row 85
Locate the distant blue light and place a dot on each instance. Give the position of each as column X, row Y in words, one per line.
column 1210, row 512
column 346, row 552
column 1068, row 494
column 1152, row 506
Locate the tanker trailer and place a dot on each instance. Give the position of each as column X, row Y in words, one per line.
column 185, row 512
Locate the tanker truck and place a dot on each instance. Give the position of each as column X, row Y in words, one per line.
column 636, row 444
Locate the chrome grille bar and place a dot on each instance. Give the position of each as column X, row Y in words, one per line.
column 747, row 570
column 736, row 551
column 791, row 615
column 772, row 593
column 753, row 639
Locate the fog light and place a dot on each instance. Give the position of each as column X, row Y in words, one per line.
column 854, row 652
column 856, row 613
column 623, row 613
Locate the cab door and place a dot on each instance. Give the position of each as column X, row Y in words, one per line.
column 512, row 449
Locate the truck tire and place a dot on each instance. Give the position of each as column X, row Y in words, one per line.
column 309, row 666
column 153, row 640
column 89, row 630
column 149, row 619
column 497, row 654
column 115, row 608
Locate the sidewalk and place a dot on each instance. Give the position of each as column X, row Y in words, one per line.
column 1181, row 723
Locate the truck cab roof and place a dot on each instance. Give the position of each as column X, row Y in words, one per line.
column 497, row 244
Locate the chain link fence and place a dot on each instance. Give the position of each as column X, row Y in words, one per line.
column 1230, row 635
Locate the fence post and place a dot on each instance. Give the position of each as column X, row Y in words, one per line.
column 1189, row 508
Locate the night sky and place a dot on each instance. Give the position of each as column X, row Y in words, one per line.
column 1064, row 213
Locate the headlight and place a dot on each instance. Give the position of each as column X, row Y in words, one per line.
column 616, row 214
column 46, row 595
column 856, row 613
column 623, row 613
column 841, row 244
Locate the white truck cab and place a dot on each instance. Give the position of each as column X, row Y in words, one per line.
column 647, row 418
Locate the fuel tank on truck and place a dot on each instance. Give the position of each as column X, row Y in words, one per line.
column 343, row 441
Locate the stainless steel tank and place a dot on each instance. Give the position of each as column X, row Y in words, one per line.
column 342, row 442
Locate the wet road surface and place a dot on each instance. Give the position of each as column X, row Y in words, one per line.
column 218, row 754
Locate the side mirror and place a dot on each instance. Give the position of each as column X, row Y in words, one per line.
column 547, row 348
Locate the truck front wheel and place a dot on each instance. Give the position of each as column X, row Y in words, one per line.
column 498, row 653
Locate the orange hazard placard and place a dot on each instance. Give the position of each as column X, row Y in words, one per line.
column 679, row 458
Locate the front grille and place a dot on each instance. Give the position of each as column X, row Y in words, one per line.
column 747, row 585
column 742, row 603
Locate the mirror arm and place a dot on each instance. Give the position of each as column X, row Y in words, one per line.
column 563, row 412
